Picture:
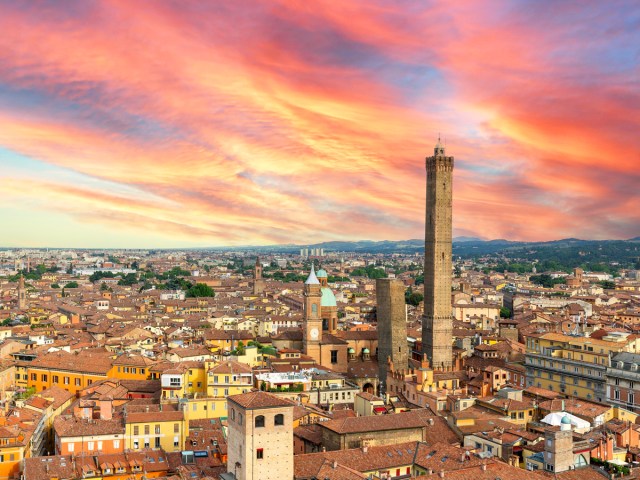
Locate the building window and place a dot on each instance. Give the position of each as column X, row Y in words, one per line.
column 70, row 446
column 279, row 419
column 176, row 428
column 77, row 382
column 136, row 444
column 43, row 377
column 146, row 443
column 157, row 429
column 34, row 377
column 90, row 446
column 136, row 430
column 260, row 453
column 259, row 421
column 116, row 444
column 55, row 379
column 176, row 442
column 147, row 428
column 334, row 356
column 65, row 380
column 157, row 442
column 616, row 395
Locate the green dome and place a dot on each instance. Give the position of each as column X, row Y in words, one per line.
column 328, row 298
column 566, row 420
column 365, row 350
column 351, row 350
column 322, row 273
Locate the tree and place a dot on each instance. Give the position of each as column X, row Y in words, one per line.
column 505, row 312
column 607, row 284
column 128, row 280
column 413, row 298
column 55, row 285
column 104, row 287
column 201, row 290
column 72, row 284
column 546, row 280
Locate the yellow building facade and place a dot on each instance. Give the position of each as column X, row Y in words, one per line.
column 574, row 365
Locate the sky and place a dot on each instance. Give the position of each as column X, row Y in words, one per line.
column 193, row 124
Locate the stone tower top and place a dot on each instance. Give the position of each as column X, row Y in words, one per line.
column 439, row 149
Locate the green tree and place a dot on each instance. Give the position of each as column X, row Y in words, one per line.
column 55, row 285
column 546, row 280
column 201, row 290
column 104, row 287
column 128, row 280
column 413, row 298
column 72, row 284
column 505, row 312
column 607, row 284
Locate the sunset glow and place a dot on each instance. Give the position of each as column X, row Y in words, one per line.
column 181, row 124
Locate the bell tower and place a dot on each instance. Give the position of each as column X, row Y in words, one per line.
column 22, row 294
column 312, row 327
column 258, row 281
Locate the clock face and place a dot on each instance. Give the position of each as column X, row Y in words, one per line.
column 314, row 333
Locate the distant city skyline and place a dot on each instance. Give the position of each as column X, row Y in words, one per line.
column 186, row 125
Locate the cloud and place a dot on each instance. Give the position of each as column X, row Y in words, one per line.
column 269, row 123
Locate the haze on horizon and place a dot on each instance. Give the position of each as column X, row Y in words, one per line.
column 191, row 124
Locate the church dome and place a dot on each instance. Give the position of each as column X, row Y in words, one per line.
column 353, row 350
column 328, row 298
column 321, row 273
column 365, row 350
column 566, row 420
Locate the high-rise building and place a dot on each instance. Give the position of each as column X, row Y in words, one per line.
column 437, row 322
column 392, row 326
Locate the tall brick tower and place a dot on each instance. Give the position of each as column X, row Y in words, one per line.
column 258, row 281
column 22, row 294
column 312, row 325
column 392, row 326
column 437, row 322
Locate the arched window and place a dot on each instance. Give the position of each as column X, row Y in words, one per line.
column 260, row 421
column 233, row 414
column 239, row 419
column 314, row 308
column 279, row 419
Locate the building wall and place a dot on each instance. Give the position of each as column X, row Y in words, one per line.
column 168, row 435
column 335, row 441
column 275, row 442
column 43, row 378
column 113, row 443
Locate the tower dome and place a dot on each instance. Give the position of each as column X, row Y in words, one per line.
column 322, row 273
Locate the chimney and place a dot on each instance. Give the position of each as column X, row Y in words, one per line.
column 335, row 464
column 365, row 449
column 441, row 474
column 484, row 467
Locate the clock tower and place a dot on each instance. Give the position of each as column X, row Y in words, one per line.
column 312, row 328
